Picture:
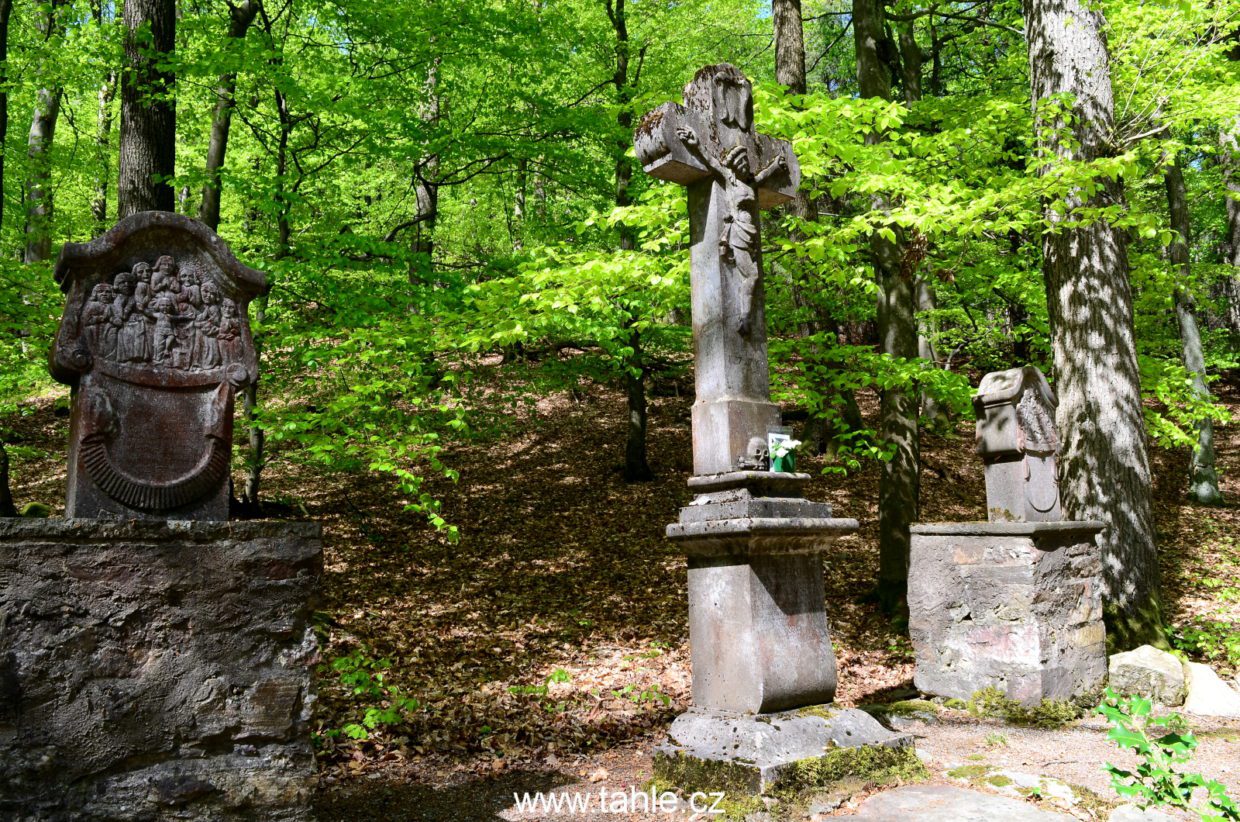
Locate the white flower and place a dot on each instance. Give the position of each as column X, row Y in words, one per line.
column 784, row 447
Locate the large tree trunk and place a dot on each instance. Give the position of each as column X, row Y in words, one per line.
column 636, row 465
column 1202, row 475
column 897, row 328
column 1104, row 468
column 7, row 509
column 148, row 109
column 241, row 16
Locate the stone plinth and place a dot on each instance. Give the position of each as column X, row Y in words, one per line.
column 741, row 753
column 1015, row 606
column 757, row 614
column 156, row 670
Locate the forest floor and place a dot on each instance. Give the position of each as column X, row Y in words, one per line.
column 547, row 649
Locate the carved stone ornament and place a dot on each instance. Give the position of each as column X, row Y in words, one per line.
column 155, row 339
column 1017, row 439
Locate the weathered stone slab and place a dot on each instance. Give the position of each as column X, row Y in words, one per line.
column 1149, row 672
column 1016, row 606
column 155, row 340
column 156, row 670
column 939, row 803
column 721, row 750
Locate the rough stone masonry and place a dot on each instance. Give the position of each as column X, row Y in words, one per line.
column 1014, row 603
column 758, row 631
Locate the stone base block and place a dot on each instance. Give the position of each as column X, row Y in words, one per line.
column 156, row 670
column 748, row 754
column 1014, row 606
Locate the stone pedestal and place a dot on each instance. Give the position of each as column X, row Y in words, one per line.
column 1015, row 606
column 156, row 670
column 759, row 637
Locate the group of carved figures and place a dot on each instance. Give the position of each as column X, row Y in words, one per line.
column 161, row 315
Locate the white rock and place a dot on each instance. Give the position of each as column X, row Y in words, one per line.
column 1208, row 695
column 1147, row 671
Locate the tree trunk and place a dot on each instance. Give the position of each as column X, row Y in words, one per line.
column 6, row 9
column 7, row 509
column 1202, row 475
column 426, row 182
column 926, row 329
column 898, row 485
column 148, row 109
column 39, row 207
column 241, row 17
column 1104, row 468
column 103, row 152
column 789, row 45
column 1230, row 151
column 258, row 436
column 636, row 465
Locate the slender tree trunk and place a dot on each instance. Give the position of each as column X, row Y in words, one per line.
column 926, row 329
column 39, row 206
column 6, row 9
column 7, row 509
column 148, row 109
column 516, row 232
column 1104, row 468
column 898, row 487
column 1229, row 144
column 103, row 151
column 241, row 17
column 1202, row 475
column 426, row 182
column 636, row 465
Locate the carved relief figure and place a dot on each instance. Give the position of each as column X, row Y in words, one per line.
column 230, row 331
column 206, row 352
column 95, row 316
column 131, row 338
column 739, row 238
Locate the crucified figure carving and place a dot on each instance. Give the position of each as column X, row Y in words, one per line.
column 738, row 241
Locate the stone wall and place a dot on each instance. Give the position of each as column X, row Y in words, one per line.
column 1016, row 606
column 156, row 670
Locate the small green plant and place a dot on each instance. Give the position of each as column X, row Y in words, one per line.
column 638, row 696
column 558, row 675
column 365, row 679
column 996, row 740
column 1162, row 743
column 1215, row 640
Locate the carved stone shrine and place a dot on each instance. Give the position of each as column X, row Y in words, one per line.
column 155, row 340
column 155, row 661
column 1014, row 603
column 760, row 641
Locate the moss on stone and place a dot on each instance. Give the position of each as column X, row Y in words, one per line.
column 1049, row 713
column 969, row 771
column 956, row 704
column 905, row 707
column 691, row 774
column 976, row 757
column 872, row 764
column 998, row 781
column 824, row 711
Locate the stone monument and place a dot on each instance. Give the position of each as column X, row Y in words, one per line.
column 761, row 646
column 155, row 340
column 154, row 659
column 1013, row 603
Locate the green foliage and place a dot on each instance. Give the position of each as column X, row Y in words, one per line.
column 1162, row 744
column 1216, row 640
column 382, row 704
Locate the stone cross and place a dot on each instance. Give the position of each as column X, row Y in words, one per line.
column 1016, row 438
column 155, row 341
column 709, row 146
